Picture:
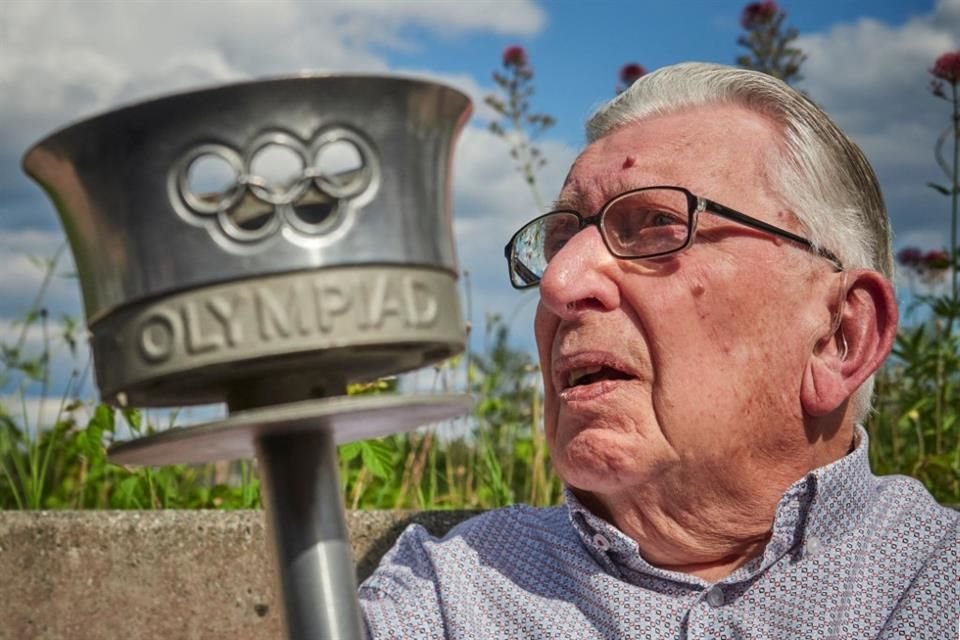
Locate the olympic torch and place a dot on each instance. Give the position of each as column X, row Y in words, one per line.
column 265, row 244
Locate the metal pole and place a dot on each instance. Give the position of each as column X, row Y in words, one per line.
column 302, row 495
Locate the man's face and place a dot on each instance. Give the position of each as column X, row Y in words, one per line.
column 681, row 372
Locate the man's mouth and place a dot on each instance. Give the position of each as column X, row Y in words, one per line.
column 582, row 376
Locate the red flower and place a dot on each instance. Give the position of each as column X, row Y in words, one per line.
column 936, row 260
column 947, row 67
column 630, row 73
column 758, row 13
column 515, row 56
column 910, row 257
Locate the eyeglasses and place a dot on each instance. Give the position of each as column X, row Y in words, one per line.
column 649, row 222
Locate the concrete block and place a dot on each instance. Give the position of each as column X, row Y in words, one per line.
column 159, row 574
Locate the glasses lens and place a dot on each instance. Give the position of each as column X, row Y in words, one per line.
column 535, row 245
column 647, row 223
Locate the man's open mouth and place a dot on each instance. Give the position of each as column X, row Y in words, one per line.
column 597, row 373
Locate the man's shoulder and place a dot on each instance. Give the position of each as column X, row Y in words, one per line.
column 489, row 541
column 519, row 516
column 913, row 556
column 905, row 514
column 902, row 499
column 456, row 581
column 512, row 525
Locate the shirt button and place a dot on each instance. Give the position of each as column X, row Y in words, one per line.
column 715, row 596
column 813, row 546
column 601, row 542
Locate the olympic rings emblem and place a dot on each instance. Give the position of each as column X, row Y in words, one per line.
column 336, row 169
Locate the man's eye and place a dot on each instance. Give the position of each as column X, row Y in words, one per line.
column 553, row 244
column 662, row 219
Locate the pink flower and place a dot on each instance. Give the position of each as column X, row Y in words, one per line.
column 758, row 13
column 910, row 257
column 515, row 56
column 630, row 73
column 947, row 67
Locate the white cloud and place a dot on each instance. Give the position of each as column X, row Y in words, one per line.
column 59, row 60
column 504, row 17
column 30, row 412
column 464, row 82
column 66, row 371
column 873, row 79
column 22, row 254
column 63, row 60
column 491, row 200
column 489, row 186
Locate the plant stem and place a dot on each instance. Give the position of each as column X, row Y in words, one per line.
column 954, row 189
column 946, row 341
column 13, row 487
column 941, row 390
column 524, row 157
column 148, row 472
column 537, row 481
column 358, row 486
column 45, row 389
column 38, row 298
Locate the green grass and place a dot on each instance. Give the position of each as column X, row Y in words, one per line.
column 496, row 457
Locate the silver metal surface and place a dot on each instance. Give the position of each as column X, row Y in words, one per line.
column 302, row 495
column 360, row 321
column 214, row 231
column 348, row 418
column 118, row 182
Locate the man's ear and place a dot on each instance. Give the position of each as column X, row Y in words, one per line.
column 856, row 345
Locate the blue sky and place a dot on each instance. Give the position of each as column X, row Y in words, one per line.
column 582, row 45
column 61, row 60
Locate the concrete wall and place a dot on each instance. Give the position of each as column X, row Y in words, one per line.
column 159, row 574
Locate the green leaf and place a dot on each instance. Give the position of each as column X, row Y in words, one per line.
column 126, row 493
column 33, row 369
column 69, row 333
column 134, row 418
column 103, row 418
column 377, row 457
column 350, row 450
column 90, row 441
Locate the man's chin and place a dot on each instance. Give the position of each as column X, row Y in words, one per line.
column 598, row 474
column 608, row 462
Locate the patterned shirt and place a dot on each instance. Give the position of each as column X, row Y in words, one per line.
column 851, row 555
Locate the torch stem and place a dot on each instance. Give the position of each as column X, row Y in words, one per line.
column 303, row 498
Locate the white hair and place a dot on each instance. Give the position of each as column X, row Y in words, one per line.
column 819, row 172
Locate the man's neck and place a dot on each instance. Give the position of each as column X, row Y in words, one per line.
column 711, row 525
column 710, row 545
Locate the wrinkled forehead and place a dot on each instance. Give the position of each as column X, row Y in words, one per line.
column 716, row 150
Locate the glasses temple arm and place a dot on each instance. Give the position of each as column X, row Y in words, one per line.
column 742, row 218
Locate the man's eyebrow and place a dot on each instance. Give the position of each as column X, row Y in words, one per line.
column 571, row 198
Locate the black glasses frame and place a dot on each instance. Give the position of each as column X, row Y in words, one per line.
column 695, row 206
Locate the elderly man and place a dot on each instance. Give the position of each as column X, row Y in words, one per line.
column 715, row 297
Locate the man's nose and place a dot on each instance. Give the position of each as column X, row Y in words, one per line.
column 583, row 275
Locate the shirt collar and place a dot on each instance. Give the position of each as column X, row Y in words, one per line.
column 838, row 494
column 815, row 511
